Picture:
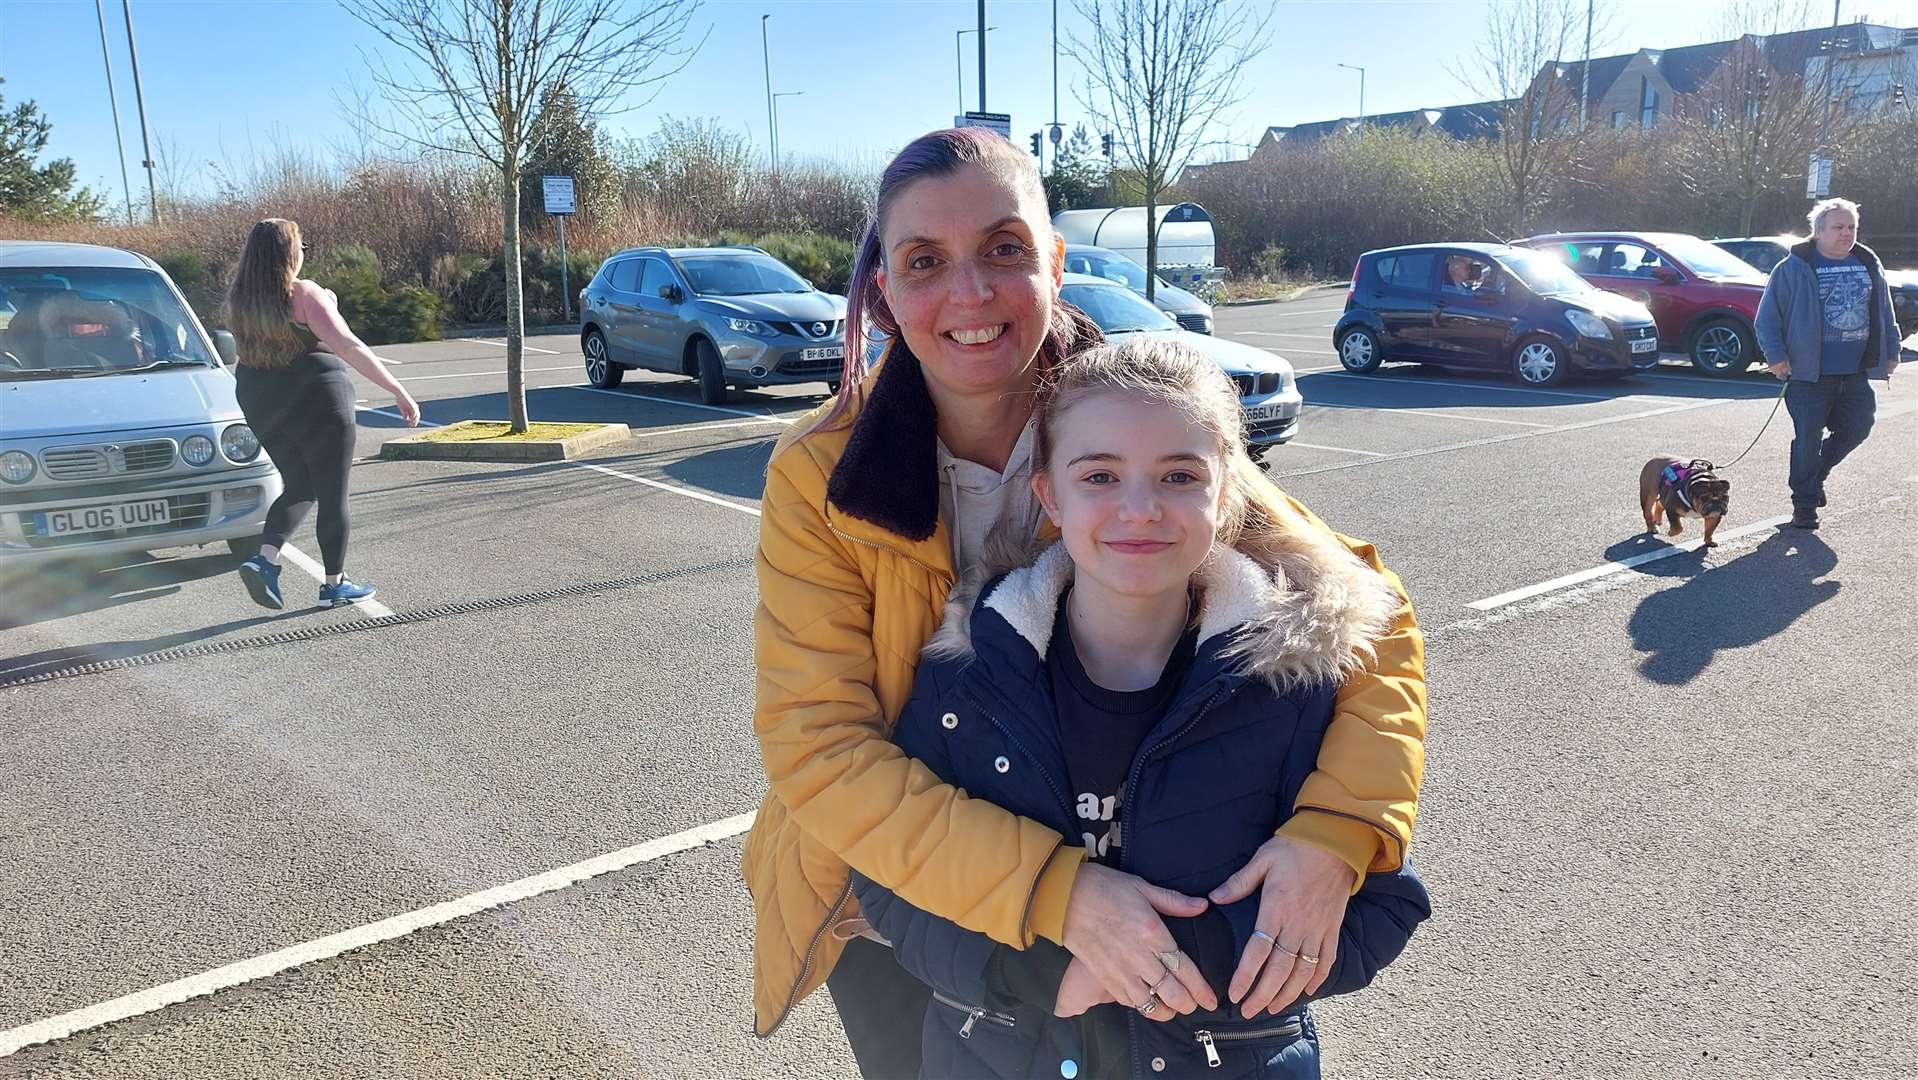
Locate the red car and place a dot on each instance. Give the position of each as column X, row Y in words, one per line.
column 1704, row 298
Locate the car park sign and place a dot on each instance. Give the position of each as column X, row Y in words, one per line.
column 559, row 194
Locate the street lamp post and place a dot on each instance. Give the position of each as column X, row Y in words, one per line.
column 766, row 55
column 959, row 61
column 139, row 99
column 775, row 101
column 1361, row 71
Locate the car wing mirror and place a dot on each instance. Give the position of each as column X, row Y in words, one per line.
column 670, row 292
column 224, row 344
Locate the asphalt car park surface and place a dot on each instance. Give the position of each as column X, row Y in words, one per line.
column 1665, row 821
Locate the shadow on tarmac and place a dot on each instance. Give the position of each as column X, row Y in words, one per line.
column 1728, row 606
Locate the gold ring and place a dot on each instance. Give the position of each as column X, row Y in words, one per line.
column 1308, row 959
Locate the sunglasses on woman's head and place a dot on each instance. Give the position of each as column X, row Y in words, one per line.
column 305, row 247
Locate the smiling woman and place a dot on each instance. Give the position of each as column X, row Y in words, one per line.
column 874, row 507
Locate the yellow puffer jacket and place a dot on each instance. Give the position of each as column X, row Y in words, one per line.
column 854, row 567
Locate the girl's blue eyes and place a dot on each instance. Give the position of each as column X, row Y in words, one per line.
column 1102, row 479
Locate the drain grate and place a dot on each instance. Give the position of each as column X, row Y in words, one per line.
column 312, row 633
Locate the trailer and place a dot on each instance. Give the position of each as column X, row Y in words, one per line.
column 1186, row 245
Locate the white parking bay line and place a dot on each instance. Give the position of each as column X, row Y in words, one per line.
column 1493, row 603
column 674, row 401
column 717, row 425
column 1336, row 449
column 359, row 937
column 373, row 608
column 1277, row 333
column 1421, row 412
column 688, row 492
column 488, row 374
column 528, row 348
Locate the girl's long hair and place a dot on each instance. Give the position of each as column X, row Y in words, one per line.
column 259, row 302
column 938, row 153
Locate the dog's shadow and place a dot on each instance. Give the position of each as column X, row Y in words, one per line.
column 1727, row 606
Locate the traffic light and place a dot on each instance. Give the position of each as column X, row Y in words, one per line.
column 1105, row 145
column 1035, row 144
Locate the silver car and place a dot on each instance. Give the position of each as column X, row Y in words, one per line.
column 119, row 431
column 1191, row 312
column 727, row 316
column 1268, row 388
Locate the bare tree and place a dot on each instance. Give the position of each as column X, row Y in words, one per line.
column 1524, row 60
column 1755, row 123
column 476, row 80
column 1158, row 74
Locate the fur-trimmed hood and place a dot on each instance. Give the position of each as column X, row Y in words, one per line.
column 1309, row 613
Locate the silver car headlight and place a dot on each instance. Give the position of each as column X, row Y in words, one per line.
column 1589, row 325
column 197, row 450
column 749, row 326
column 17, row 467
column 239, row 444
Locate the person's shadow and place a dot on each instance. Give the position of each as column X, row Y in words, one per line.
column 1739, row 603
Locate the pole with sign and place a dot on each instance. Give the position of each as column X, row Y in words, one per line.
column 558, row 191
column 1818, row 177
column 991, row 121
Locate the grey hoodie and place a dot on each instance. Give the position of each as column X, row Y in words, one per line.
column 1791, row 318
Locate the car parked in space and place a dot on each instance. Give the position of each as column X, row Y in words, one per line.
column 1491, row 307
column 1765, row 252
column 119, row 430
column 727, row 316
column 1704, row 298
column 1268, row 389
column 1191, row 312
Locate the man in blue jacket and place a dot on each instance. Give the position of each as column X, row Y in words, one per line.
column 1826, row 325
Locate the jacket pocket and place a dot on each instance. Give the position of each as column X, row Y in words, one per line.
column 1259, row 1050
column 975, row 1015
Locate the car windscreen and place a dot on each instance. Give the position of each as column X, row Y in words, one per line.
column 740, row 275
column 1703, row 257
column 92, row 320
column 1117, row 310
column 1542, row 274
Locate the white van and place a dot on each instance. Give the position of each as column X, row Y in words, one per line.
column 119, row 431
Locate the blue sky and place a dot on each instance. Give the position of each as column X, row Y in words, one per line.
column 228, row 82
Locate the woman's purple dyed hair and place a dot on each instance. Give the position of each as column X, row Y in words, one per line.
column 937, row 153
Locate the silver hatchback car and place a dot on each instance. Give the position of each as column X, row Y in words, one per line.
column 119, row 431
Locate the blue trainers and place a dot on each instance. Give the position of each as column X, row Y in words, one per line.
column 262, row 580
column 346, row 592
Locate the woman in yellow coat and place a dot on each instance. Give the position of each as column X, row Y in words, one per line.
column 872, row 509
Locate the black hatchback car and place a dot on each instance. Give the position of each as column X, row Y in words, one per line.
column 1492, row 307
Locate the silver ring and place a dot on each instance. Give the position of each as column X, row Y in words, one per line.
column 1170, row 960
column 1151, row 1005
column 1269, row 939
column 1155, row 986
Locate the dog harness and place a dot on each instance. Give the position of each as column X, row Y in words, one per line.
column 1677, row 479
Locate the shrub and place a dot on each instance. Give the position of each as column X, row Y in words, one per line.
column 379, row 313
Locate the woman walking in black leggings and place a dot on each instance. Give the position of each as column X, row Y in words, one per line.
column 298, row 398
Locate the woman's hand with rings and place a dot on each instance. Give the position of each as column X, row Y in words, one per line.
column 1303, row 892
column 1113, row 924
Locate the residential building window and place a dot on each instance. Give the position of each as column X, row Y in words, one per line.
column 1618, row 119
column 1647, row 103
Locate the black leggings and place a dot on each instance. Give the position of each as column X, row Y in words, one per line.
column 303, row 415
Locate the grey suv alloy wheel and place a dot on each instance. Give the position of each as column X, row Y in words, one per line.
column 600, row 370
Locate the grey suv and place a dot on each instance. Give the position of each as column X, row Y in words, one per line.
column 727, row 316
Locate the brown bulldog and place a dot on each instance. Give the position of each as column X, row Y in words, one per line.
column 1682, row 488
